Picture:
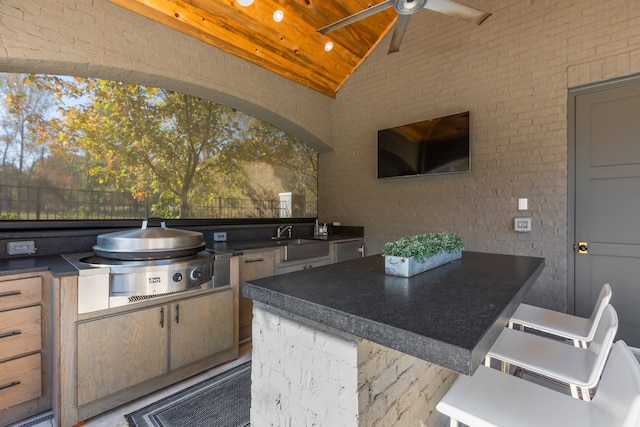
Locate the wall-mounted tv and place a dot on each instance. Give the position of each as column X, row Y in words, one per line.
column 433, row 146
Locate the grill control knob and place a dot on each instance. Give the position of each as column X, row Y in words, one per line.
column 177, row 277
column 196, row 274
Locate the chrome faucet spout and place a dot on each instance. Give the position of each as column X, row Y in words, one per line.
column 282, row 229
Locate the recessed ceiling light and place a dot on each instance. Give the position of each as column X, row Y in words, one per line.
column 278, row 15
column 245, row 2
column 328, row 46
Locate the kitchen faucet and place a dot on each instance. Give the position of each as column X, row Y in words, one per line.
column 281, row 231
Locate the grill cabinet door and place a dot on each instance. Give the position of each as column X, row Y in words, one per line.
column 201, row 327
column 119, row 351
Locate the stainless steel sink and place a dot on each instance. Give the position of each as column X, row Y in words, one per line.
column 304, row 248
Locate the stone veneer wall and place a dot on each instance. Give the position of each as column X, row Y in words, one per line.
column 305, row 374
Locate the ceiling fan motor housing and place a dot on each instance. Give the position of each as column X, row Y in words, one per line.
column 407, row 7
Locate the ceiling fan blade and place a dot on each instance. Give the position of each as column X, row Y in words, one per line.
column 451, row 8
column 357, row 16
column 398, row 33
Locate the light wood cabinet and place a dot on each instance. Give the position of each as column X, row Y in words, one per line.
column 111, row 357
column 120, row 351
column 25, row 373
column 20, row 380
column 123, row 350
column 200, row 327
column 20, row 332
column 20, row 292
column 251, row 265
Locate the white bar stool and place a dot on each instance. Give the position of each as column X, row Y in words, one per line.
column 578, row 367
column 578, row 329
column 491, row 398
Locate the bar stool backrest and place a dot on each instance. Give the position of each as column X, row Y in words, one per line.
column 603, row 299
column 602, row 341
column 618, row 394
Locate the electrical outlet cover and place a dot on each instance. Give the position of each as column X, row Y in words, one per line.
column 220, row 236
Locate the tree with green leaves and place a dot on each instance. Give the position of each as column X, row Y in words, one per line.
column 163, row 148
column 147, row 140
column 24, row 126
column 294, row 164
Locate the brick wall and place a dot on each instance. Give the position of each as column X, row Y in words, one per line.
column 304, row 374
column 513, row 73
column 396, row 389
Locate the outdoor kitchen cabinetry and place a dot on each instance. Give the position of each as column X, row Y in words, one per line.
column 24, row 348
column 111, row 357
column 120, row 351
column 200, row 327
column 251, row 265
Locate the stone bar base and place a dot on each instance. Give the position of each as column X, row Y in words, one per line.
column 307, row 374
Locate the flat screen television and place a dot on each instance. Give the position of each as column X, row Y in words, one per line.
column 434, row 146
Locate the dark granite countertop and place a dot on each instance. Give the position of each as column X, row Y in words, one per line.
column 57, row 265
column 450, row 315
column 60, row 267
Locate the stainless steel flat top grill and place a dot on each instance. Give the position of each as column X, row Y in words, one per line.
column 149, row 262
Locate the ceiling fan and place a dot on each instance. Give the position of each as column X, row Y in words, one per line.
column 406, row 8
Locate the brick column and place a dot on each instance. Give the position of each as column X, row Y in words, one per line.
column 306, row 374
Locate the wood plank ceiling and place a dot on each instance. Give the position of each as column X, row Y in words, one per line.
column 292, row 48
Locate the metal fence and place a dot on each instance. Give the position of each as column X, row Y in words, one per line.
column 41, row 203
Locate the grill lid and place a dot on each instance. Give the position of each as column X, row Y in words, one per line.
column 149, row 243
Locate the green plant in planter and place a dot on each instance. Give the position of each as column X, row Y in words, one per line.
column 424, row 246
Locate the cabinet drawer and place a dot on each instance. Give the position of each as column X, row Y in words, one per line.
column 20, row 381
column 20, row 292
column 20, row 331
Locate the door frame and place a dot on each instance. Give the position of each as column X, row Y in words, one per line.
column 573, row 93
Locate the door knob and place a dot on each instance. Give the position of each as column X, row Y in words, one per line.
column 583, row 247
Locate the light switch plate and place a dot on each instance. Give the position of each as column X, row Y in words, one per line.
column 522, row 224
column 523, row 204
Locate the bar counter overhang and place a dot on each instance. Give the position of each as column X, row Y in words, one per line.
column 450, row 315
column 348, row 345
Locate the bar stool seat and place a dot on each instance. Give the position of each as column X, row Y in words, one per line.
column 578, row 329
column 491, row 398
column 577, row 367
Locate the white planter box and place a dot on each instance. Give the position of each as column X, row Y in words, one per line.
column 407, row 267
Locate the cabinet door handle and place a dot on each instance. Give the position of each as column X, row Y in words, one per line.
column 177, row 313
column 253, row 260
column 11, row 384
column 162, row 317
column 10, row 334
column 10, row 294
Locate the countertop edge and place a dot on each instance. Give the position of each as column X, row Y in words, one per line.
column 55, row 264
column 449, row 355
column 434, row 351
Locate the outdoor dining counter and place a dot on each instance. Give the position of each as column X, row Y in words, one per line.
column 346, row 344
